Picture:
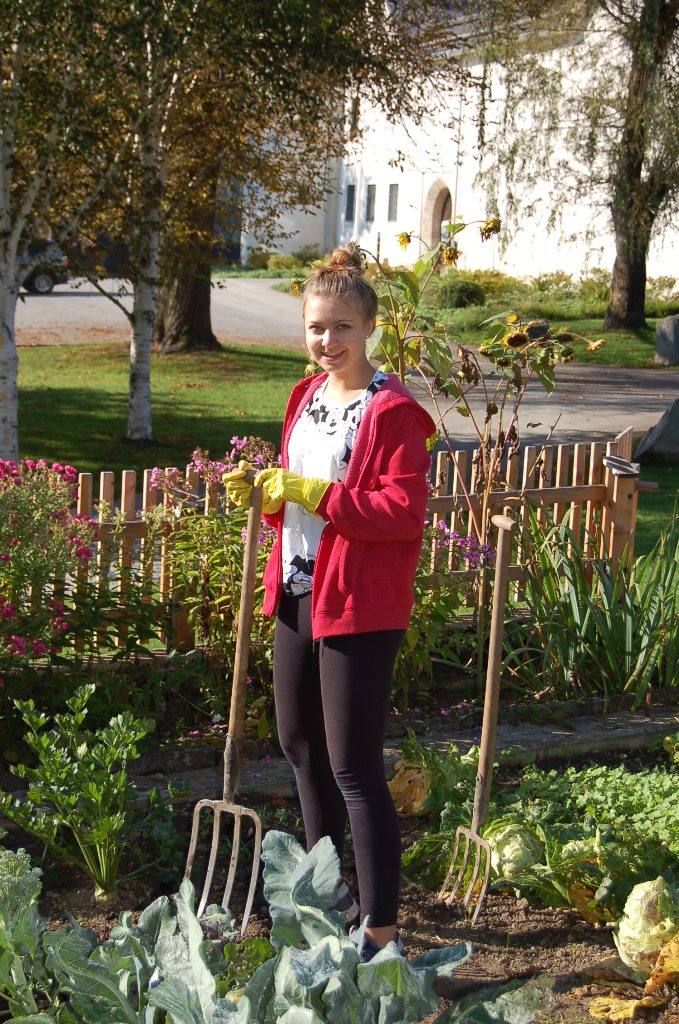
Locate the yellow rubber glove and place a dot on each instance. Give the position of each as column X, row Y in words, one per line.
column 239, row 489
column 284, row 485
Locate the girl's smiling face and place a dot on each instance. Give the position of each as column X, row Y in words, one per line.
column 336, row 331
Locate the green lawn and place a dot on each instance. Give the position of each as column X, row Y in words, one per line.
column 73, row 403
column 635, row 349
column 655, row 509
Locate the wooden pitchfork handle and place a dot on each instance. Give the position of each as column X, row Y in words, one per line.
column 241, row 658
column 484, row 775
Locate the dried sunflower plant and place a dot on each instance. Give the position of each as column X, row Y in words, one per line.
column 485, row 385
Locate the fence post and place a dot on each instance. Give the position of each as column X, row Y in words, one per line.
column 182, row 634
column 621, row 509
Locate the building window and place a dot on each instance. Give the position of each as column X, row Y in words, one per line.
column 370, row 204
column 393, row 203
column 350, row 204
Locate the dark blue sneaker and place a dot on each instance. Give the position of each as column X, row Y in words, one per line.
column 346, row 905
column 369, row 949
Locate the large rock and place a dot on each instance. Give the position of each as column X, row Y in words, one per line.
column 667, row 341
column 661, row 442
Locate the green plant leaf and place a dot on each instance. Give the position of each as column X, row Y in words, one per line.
column 516, row 1003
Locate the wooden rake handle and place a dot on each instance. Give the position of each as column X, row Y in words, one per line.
column 484, row 775
column 242, row 655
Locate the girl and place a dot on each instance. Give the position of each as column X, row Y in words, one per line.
column 349, row 505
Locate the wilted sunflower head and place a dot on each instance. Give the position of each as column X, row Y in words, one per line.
column 450, row 254
column 537, row 330
column 405, row 238
column 517, row 339
column 490, row 227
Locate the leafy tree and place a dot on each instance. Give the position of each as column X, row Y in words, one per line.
column 59, row 145
column 275, row 144
column 591, row 92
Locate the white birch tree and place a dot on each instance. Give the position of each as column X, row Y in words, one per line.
column 58, row 149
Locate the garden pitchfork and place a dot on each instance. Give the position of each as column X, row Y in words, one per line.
column 235, row 733
column 467, row 839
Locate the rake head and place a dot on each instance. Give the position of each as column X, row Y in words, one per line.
column 465, row 842
column 238, row 813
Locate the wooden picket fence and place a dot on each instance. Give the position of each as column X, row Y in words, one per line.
column 555, row 479
column 564, row 478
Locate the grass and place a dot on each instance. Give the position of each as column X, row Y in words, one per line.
column 628, row 348
column 73, row 403
column 656, row 509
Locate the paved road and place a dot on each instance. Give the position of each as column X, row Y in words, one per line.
column 590, row 402
column 242, row 309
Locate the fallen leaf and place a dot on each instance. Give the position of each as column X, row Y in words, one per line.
column 409, row 788
column 613, row 1009
column 666, row 970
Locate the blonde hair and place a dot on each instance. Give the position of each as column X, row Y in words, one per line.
column 342, row 275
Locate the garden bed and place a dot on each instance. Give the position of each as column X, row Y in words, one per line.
column 514, row 939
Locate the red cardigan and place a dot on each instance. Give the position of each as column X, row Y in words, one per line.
column 369, row 549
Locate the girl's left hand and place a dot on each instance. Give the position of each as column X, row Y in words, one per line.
column 283, row 485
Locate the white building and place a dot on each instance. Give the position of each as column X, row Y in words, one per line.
column 415, row 179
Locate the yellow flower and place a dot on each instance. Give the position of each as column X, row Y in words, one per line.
column 490, row 227
column 594, row 346
column 405, row 238
column 295, row 287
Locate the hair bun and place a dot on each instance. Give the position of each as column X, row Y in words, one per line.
column 345, row 260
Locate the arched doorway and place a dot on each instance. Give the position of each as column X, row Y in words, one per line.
column 437, row 211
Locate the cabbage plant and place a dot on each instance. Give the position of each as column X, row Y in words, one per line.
column 650, row 920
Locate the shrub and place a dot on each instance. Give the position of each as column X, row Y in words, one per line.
column 258, row 259
column 39, row 540
column 306, row 254
column 282, row 261
column 558, row 282
column 457, row 292
column 596, row 286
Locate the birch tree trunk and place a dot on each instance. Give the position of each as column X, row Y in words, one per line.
column 9, row 369
column 139, row 422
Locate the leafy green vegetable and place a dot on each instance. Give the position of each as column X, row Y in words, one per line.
column 325, row 980
column 650, row 919
column 21, row 968
column 513, row 849
column 516, row 1003
column 80, row 802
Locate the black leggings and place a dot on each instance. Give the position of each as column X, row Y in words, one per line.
column 332, row 700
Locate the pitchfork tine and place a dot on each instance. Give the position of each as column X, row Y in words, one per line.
column 484, row 774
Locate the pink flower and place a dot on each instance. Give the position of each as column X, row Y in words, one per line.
column 18, row 644
column 39, row 648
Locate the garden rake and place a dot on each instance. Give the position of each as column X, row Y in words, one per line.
column 227, row 806
column 468, row 839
